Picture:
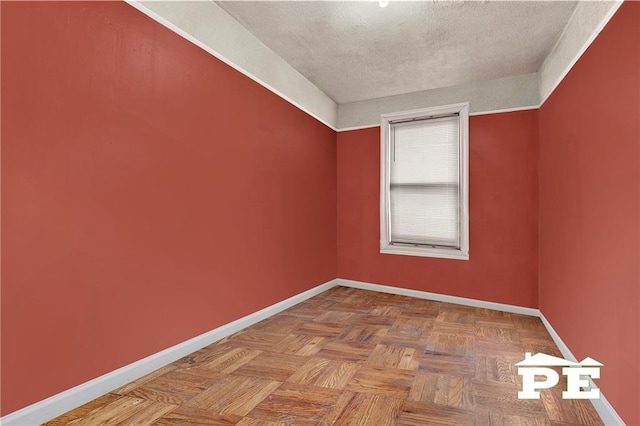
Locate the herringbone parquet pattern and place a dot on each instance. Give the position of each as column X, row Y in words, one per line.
column 351, row 357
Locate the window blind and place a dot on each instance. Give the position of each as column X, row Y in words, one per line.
column 424, row 196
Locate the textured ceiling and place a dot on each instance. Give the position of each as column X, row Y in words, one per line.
column 357, row 50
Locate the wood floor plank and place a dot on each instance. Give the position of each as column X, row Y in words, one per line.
column 494, row 333
column 337, row 374
column 381, row 381
column 84, row 410
column 386, row 311
column 149, row 414
column 456, row 316
column 372, row 319
column 272, row 366
column 282, row 322
column 311, row 308
column 497, row 397
column 248, row 421
column 336, row 410
column 338, row 294
column 230, row 361
column 497, row 369
column 414, row 326
column 296, row 404
column 351, row 356
column 492, row 313
column 352, row 351
column 387, row 356
column 535, row 344
column 320, row 329
column 200, row 371
column 208, row 353
column 338, row 317
column 487, row 418
column 449, row 364
column 144, row 379
column 185, row 415
column 299, row 345
column 457, row 329
column 443, row 389
column 326, row 373
column 567, row 411
column 420, row 413
column 256, row 339
column 116, row 412
column 450, row 344
column 365, row 333
column 174, row 387
column 528, row 323
column 310, row 371
column 385, row 337
column 371, row 409
column 424, row 309
column 234, row 395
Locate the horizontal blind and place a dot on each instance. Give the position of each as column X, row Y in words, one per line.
column 424, row 191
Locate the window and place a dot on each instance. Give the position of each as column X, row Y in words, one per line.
column 424, row 182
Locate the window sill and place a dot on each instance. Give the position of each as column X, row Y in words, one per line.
column 441, row 253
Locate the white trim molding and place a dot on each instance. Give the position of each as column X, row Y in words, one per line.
column 392, row 123
column 476, row 303
column 206, row 25
column 504, row 94
column 471, row 114
column 515, row 93
column 586, row 22
column 606, row 411
column 63, row 402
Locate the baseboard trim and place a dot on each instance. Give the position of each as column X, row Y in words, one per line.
column 439, row 297
column 63, row 402
column 605, row 410
column 603, row 407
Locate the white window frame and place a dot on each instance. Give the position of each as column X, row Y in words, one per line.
column 386, row 246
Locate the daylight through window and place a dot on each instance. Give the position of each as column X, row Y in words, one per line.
column 424, row 182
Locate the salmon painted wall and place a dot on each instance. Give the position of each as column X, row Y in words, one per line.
column 503, row 223
column 150, row 193
column 590, row 209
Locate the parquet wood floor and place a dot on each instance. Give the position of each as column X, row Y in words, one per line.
column 351, row 357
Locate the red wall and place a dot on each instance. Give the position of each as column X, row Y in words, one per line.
column 150, row 193
column 590, row 209
column 503, row 222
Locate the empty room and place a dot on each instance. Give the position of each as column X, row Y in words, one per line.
column 278, row 213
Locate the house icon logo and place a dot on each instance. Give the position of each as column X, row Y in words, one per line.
column 577, row 373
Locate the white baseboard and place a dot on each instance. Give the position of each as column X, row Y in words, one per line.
column 63, row 402
column 439, row 297
column 606, row 411
column 603, row 407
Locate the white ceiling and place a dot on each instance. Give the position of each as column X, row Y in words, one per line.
column 357, row 50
